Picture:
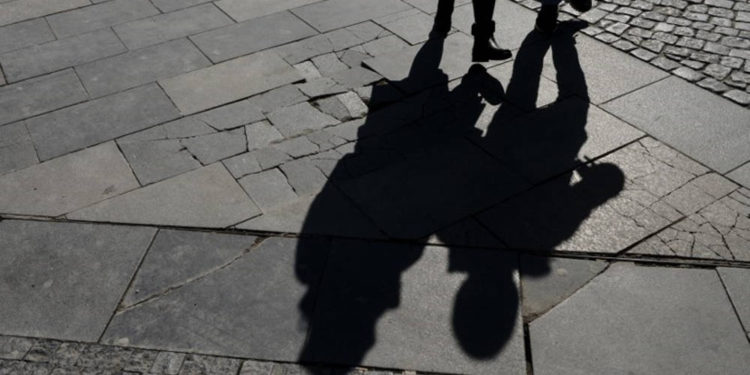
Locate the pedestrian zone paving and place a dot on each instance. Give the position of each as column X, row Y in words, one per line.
column 324, row 187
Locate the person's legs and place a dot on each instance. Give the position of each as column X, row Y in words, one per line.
column 485, row 48
column 443, row 17
column 546, row 20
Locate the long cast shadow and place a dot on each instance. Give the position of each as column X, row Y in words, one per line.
column 363, row 279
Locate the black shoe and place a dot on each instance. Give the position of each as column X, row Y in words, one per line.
column 581, row 5
column 546, row 20
column 485, row 47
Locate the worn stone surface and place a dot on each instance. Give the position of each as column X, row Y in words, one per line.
column 65, row 279
column 605, row 320
column 268, row 189
column 232, row 115
column 167, row 6
column 99, row 16
column 229, row 81
column 19, row 10
column 99, row 120
column 39, row 95
column 216, row 146
column 14, row 347
column 735, row 280
column 298, row 119
column 16, row 150
column 155, row 160
column 413, row 26
column 257, row 319
column 67, row 183
column 512, row 23
column 242, row 10
column 741, row 175
column 24, row 34
column 334, row 14
column 671, row 110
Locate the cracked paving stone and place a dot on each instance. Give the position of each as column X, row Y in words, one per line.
column 242, row 165
column 736, row 281
column 249, row 308
column 205, row 365
column 268, row 189
column 333, row 41
column 16, row 149
column 329, row 64
column 308, row 70
column 335, row 14
column 39, row 95
column 299, row 119
column 168, row 363
column 241, row 10
column 283, row 96
column 14, row 347
column 197, row 253
column 261, row 134
column 216, row 146
column 232, row 115
column 153, row 161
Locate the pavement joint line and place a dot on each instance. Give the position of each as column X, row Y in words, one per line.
column 49, row 14
column 734, row 307
column 119, row 149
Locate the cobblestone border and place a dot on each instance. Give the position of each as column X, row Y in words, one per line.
column 706, row 42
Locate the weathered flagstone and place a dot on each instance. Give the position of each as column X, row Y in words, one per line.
column 16, row 149
column 242, row 10
column 63, row 53
column 512, row 22
column 430, row 6
column 213, row 147
column 736, row 281
column 688, row 329
column 228, row 81
column 207, row 197
column 167, row 6
column 332, row 41
column 741, row 175
column 24, row 34
column 67, row 183
column 450, row 311
column 261, row 134
column 298, row 119
column 334, row 14
column 252, row 304
column 674, row 112
column 14, row 347
column 39, row 95
column 145, row 65
column 163, row 27
column 283, row 96
column 19, row 10
column 64, row 280
column 197, row 253
column 252, row 36
column 99, row 120
column 268, row 189
column 156, row 160
column 99, row 16
column 412, row 25
column 232, row 115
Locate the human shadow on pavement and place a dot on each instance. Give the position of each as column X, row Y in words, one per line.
column 421, row 165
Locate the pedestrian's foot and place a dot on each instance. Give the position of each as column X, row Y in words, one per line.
column 546, row 20
column 486, row 50
column 581, row 5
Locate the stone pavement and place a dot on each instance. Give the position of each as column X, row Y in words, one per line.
column 319, row 187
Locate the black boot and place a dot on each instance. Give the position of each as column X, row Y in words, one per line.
column 546, row 20
column 581, row 5
column 485, row 46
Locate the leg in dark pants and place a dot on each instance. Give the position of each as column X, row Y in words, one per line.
column 485, row 48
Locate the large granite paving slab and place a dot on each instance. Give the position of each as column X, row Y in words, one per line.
column 242, row 10
column 19, row 10
column 675, row 112
column 155, row 160
column 67, row 183
column 64, row 280
column 99, row 120
column 145, row 65
column 16, row 149
column 206, row 197
column 39, row 95
column 63, row 53
column 736, row 281
column 158, row 29
column 229, row 81
column 432, row 309
column 24, row 34
column 252, row 36
column 248, row 307
column 685, row 325
column 99, row 16
column 334, row 14
column 741, row 175
column 167, row 6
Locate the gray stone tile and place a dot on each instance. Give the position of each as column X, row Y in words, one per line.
column 16, row 150
column 334, row 14
column 63, row 53
column 99, row 16
column 299, row 118
column 414, row 27
column 242, row 165
column 19, row 10
column 213, row 147
column 242, row 10
column 187, row 127
column 283, row 96
column 332, row 41
column 232, row 115
column 145, row 65
column 179, row 24
column 228, row 81
column 99, row 120
column 450, row 311
column 66, row 279
column 156, row 160
column 24, row 34
column 736, row 281
column 385, row 45
column 512, row 22
column 14, row 347
column 261, row 134
column 430, row 6
column 206, row 197
column 268, row 189
column 673, row 111
column 201, row 364
column 547, row 281
column 197, row 253
column 741, row 175
column 67, row 183
column 167, row 6
column 605, row 320
column 252, row 36
column 211, row 314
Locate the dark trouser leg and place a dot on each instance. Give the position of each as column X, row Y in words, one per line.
column 483, row 30
column 443, row 17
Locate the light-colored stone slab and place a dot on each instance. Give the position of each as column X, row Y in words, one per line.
column 691, row 327
column 39, row 95
column 99, row 120
column 145, row 65
column 157, row 29
column 99, row 16
column 334, row 14
column 249, row 308
column 228, row 81
column 736, row 281
column 741, row 175
column 64, row 280
column 206, row 197
column 242, row 10
column 216, row 146
column 67, row 183
column 513, row 22
column 674, row 112
column 167, row 6
column 252, row 36
column 299, row 119
column 24, row 34
column 414, row 26
column 268, row 189
column 156, row 160
column 19, row 10
column 16, row 149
